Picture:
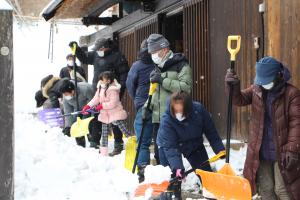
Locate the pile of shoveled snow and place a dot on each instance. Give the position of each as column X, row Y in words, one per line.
column 49, row 165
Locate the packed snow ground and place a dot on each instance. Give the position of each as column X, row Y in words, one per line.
column 49, row 165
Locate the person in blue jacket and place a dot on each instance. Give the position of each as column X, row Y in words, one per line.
column 138, row 84
column 181, row 132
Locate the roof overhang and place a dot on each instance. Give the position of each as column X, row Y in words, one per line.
column 71, row 9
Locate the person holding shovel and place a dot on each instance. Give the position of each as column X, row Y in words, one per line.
column 138, row 85
column 172, row 73
column 106, row 57
column 272, row 164
column 181, row 132
column 85, row 93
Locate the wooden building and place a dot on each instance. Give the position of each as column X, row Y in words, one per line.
column 199, row 29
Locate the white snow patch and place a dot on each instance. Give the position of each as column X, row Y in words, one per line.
column 157, row 174
column 4, row 5
column 51, row 166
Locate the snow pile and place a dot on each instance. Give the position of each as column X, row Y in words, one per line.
column 157, row 174
column 51, row 166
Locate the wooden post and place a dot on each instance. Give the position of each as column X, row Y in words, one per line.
column 7, row 106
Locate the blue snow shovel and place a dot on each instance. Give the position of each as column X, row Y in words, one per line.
column 51, row 117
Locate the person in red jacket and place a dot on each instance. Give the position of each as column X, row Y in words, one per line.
column 273, row 156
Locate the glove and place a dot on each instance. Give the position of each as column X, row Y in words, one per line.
column 85, row 109
column 99, row 107
column 71, row 44
column 146, row 113
column 155, row 77
column 291, row 160
column 66, row 131
column 231, row 77
column 180, row 174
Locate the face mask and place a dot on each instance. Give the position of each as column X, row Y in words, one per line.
column 179, row 116
column 68, row 97
column 156, row 59
column 100, row 53
column 268, row 86
column 70, row 63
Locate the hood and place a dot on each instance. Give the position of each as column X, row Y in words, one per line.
column 47, row 85
column 177, row 58
column 286, row 74
column 114, row 86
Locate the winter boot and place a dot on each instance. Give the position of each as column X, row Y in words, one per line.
column 103, row 151
column 141, row 173
column 94, row 144
column 80, row 141
column 118, row 148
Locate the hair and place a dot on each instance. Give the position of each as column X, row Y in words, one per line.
column 67, row 86
column 69, row 56
column 108, row 75
column 183, row 97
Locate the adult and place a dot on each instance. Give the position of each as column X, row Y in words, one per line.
column 272, row 164
column 172, row 73
column 68, row 71
column 85, row 93
column 106, row 57
column 138, row 85
column 181, row 132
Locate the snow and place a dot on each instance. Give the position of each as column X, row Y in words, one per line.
column 4, row 5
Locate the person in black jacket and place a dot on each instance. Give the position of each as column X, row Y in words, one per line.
column 105, row 57
column 138, row 84
column 68, row 71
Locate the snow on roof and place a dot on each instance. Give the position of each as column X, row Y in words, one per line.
column 4, row 5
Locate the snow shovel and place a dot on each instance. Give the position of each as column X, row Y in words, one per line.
column 80, row 127
column 157, row 189
column 51, row 117
column 151, row 92
column 225, row 184
column 130, row 152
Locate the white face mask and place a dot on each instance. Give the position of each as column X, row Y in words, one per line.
column 156, row 59
column 179, row 116
column 100, row 53
column 268, row 86
column 70, row 63
column 68, row 97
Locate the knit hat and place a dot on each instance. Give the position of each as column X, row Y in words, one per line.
column 157, row 42
column 67, row 86
column 39, row 98
column 102, row 43
column 267, row 69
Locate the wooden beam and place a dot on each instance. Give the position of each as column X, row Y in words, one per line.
column 7, row 106
column 135, row 17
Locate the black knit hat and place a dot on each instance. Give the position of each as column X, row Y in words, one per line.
column 67, row 86
column 39, row 98
column 103, row 43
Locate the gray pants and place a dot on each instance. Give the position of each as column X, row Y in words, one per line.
column 270, row 183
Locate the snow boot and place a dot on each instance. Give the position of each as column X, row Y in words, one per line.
column 141, row 173
column 173, row 192
column 118, row 148
column 94, row 144
column 103, row 151
column 80, row 141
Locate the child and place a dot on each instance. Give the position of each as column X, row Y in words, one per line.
column 107, row 101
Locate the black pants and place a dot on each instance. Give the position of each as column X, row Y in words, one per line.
column 154, row 136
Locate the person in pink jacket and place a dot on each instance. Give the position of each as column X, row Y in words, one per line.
column 107, row 101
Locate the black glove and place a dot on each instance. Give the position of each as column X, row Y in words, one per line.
column 71, row 44
column 146, row 113
column 231, row 77
column 66, row 131
column 291, row 160
column 155, row 77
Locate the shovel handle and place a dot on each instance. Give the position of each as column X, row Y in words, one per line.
column 233, row 51
column 73, row 49
column 152, row 89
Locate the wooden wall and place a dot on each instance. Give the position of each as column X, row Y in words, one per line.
column 283, row 34
column 237, row 17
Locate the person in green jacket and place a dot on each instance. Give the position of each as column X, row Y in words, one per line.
column 172, row 73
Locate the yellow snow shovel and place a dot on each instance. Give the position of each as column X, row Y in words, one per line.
column 225, row 184
column 80, row 127
column 130, row 151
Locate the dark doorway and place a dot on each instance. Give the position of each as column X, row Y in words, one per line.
column 172, row 28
